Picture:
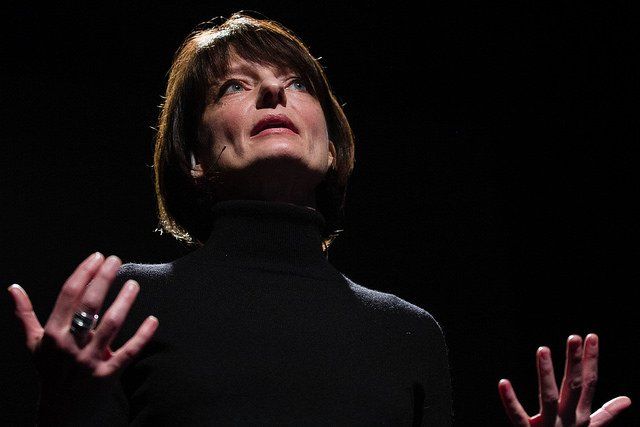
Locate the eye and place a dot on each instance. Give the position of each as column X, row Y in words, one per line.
column 298, row 84
column 232, row 86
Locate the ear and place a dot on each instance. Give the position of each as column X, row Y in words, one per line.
column 196, row 168
column 332, row 155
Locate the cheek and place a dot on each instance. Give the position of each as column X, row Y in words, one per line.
column 318, row 128
column 225, row 128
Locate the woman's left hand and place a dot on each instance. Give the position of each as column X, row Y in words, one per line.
column 572, row 406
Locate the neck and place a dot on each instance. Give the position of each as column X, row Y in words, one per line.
column 284, row 182
column 266, row 234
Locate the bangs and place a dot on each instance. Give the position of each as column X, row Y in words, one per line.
column 262, row 47
column 200, row 63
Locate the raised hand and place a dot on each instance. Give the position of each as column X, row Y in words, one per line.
column 572, row 406
column 69, row 362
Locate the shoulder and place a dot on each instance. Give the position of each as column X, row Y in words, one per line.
column 155, row 280
column 144, row 272
column 411, row 315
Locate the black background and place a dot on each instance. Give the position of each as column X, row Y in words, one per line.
column 495, row 184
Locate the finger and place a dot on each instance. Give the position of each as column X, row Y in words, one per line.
column 71, row 291
column 512, row 406
column 24, row 312
column 547, row 387
column 113, row 318
column 589, row 375
column 131, row 348
column 572, row 381
column 609, row 411
column 98, row 287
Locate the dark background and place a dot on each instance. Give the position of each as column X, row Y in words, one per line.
column 495, row 184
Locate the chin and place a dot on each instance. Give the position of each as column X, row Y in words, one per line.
column 278, row 145
column 283, row 150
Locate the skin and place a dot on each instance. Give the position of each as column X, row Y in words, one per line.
column 280, row 166
column 67, row 365
column 283, row 167
column 571, row 406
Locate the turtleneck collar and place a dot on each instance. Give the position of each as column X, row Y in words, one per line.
column 268, row 235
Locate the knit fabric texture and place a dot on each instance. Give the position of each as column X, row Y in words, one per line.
column 257, row 327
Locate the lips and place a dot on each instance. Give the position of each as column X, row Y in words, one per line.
column 273, row 121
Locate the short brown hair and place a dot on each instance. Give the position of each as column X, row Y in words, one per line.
column 203, row 58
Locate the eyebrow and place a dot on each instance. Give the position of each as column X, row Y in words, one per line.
column 247, row 68
column 238, row 69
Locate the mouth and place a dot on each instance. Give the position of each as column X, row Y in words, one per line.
column 278, row 122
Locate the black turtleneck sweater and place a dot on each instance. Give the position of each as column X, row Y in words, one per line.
column 257, row 327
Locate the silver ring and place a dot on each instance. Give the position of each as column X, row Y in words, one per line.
column 82, row 322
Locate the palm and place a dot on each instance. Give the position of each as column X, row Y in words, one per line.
column 80, row 364
column 572, row 405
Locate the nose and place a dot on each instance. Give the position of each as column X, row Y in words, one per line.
column 271, row 95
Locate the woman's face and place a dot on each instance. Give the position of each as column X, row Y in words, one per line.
column 267, row 132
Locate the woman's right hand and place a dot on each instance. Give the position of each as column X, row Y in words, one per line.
column 66, row 364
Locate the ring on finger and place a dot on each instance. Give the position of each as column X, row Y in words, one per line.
column 82, row 322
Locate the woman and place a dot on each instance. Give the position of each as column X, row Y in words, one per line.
column 252, row 159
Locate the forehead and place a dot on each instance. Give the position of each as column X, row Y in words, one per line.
column 237, row 64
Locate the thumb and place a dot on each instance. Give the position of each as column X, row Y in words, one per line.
column 24, row 312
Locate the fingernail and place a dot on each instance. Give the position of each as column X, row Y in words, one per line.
column 15, row 285
column 94, row 258
column 112, row 260
column 575, row 340
column 544, row 355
